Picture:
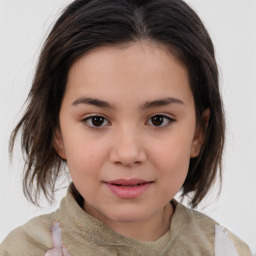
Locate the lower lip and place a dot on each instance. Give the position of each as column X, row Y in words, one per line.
column 128, row 192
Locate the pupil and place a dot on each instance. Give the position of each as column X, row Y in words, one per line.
column 157, row 120
column 97, row 120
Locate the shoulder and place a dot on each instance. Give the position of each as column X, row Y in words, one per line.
column 194, row 231
column 33, row 238
column 205, row 230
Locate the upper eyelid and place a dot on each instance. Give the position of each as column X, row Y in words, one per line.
column 170, row 119
column 150, row 116
column 93, row 115
column 85, row 120
column 162, row 114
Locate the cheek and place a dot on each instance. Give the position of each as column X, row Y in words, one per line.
column 173, row 152
column 172, row 171
column 85, row 157
column 174, row 167
column 172, row 162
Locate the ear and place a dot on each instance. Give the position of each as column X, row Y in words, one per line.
column 199, row 134
column 59, row 145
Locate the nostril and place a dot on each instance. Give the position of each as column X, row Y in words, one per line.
column 127, row 156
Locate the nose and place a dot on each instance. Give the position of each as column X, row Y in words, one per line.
column 127, row 148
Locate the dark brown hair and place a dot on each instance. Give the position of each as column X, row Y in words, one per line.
column 88, row 24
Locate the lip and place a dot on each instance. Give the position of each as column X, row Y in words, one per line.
column 128, row 188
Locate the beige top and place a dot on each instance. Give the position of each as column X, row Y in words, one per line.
column 71, row 231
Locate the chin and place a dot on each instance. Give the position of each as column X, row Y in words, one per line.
column 128, row 216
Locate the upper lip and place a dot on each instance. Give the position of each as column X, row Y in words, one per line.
column 128, row 182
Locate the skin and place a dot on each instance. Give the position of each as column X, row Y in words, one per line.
column 128, row 143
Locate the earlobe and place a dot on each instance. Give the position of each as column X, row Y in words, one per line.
column 199, row 134
column 59, row 145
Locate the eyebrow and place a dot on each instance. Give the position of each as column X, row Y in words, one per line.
column 148, row 104
column 160, row 103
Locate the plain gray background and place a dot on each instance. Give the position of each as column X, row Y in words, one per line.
column 232, row 26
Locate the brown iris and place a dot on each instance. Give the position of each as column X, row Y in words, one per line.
column 157, row 120
column 97, row 120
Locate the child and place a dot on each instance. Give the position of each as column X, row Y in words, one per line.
column 126, row 96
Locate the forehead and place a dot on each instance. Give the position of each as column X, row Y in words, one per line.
column 140, row 70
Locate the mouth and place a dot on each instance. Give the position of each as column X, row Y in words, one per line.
column 128, row 189
column 129, row 182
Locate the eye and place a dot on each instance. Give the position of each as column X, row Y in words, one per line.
column 95, row 121
column 160, row 120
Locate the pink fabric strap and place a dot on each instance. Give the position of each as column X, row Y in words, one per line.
column 58, row 248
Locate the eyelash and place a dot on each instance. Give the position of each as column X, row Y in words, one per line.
column 91, row 126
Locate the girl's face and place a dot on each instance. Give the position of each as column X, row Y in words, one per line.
column 128, row 130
